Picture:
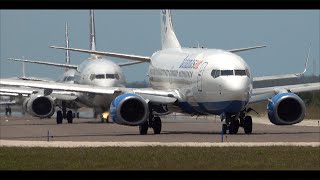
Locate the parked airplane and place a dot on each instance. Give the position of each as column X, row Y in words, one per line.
column 199, row 81
column 92, row 72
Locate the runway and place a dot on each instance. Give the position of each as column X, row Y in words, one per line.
column 175, row 129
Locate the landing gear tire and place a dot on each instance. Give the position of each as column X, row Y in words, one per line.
column 234, row 127
column 156, row 125
column 69, row 117
column 224, row 128
column 247, row 125
column 143, row 128
column 8, row 111
column 59, row 117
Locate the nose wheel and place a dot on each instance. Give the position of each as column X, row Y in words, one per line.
column 232, row 124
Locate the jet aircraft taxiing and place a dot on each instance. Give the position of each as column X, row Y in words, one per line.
column 196, row 81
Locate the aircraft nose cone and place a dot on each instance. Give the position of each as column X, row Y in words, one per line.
column 238, row 88
column 237, row 84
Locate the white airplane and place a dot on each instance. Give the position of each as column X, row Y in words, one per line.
column 94, row 71
column 24, row 95
column 194, row 81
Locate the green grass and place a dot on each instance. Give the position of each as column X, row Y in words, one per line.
column 160, row 158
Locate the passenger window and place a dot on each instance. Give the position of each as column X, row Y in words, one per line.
column 238, row 72
column 227, row 72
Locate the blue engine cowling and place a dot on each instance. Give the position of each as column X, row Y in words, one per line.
column 129, row 109
column 286, row 109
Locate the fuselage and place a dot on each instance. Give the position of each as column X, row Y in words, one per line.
column 209, row 81
column 98, row 72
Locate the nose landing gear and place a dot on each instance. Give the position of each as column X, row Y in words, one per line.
column 233, row 122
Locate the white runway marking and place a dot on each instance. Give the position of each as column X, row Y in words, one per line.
column 72, row 144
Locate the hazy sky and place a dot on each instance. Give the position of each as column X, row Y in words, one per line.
column 287, row 34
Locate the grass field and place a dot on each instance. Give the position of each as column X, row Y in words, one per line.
column 161, row 158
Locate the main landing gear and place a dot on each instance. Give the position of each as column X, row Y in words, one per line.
column 64, row 114
column 8, row 110
column 153, row 122
column 233, row 122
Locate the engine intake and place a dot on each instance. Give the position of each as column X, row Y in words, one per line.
column 286, row 109
column 129, row 109
column 39, row 105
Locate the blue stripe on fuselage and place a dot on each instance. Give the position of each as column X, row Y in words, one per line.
column 216, row 108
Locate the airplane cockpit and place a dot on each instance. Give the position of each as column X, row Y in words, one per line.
column 235, row 72
column 104, row 76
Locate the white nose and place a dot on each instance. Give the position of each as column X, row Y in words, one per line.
column 237, row 87
column 237, row 84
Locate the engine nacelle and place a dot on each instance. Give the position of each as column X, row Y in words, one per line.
column 39, row 105
column 129, row 109
column 286, row 109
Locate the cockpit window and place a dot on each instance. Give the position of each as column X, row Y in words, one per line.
column 110, row 76
column 70, row 78
column 227, row 72
column 248, row 73
column 238, row 72
column 104, row 76
column 117, row 76
column 215, row 73
column 100, row 76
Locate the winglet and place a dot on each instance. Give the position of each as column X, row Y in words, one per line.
column 305, row 64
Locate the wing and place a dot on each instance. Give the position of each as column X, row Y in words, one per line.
column 245, row 49
column 34, row 79
column 8, row 102
column 45, row 63
column 263, row 94
column 111, row 54
column 286, row 76
column 50, row 86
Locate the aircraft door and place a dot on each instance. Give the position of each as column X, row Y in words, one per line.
column 199, row 77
